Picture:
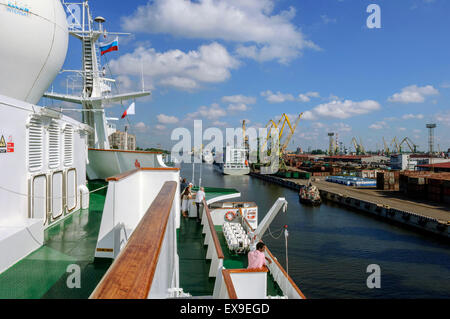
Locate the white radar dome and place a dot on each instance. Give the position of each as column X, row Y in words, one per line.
column 33, row 46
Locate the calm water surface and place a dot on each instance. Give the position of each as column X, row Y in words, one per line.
column 330, row 247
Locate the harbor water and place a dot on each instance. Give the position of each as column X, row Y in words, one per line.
column 330, row 247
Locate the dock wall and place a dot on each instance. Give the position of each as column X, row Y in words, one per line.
column 419, row 222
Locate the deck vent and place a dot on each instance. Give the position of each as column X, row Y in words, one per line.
column 68, row 145
column 54, row 142
column 35, row 144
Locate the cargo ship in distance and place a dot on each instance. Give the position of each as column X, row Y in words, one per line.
column 233, row 161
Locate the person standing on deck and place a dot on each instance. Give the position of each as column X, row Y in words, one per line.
column 199, row 197
column 183, row 185
column 186, row 195
column 257, row 258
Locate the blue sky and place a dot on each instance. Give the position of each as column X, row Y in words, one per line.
column 225, row 61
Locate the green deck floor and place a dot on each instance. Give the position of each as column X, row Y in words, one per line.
column 43, row 273
column 194, row 268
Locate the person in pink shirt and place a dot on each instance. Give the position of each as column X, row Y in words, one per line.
column 257, row 258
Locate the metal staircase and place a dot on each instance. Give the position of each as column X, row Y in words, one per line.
column 88, row 68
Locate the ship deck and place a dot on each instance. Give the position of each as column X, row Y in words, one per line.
column 72, row 241
column 194, row 268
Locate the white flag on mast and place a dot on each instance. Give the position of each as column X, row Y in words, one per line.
column 130, row 110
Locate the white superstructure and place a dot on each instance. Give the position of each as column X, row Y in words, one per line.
column 34, row 40
column 43, row 154
column 233, row 161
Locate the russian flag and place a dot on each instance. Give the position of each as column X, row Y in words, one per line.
column 109, row 47
column 130, row 110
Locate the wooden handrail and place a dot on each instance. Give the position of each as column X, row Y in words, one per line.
column 285, row 273
column 247, row 270
column 229, row 284
column 124, row 151
column 119, row 177
column 220, row 254
column 131, row 274
column 159, row 169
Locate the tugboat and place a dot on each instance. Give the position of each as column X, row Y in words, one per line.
column 310, row 195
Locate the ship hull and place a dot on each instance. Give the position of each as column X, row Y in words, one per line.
column 310, row 202
column 231, row 171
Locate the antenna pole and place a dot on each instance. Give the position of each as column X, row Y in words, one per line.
column 142, row 75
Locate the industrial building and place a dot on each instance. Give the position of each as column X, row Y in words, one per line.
column 122, row 141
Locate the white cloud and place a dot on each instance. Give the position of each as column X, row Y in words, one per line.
column 239, row 99
column 277, row 97
column 186, row 71
column 307, row 96
column 260, row 33
column 180, row 83
column 213, row 112
column 342, row 127
column 318, row 125
column 308, row 115
column 241, row 107
column 219, row 123
column 443, row 118
column 345, row 109
column 239, row 102
column 141, row 127
column 160, row 127
column 412, row 116
column 413, row 94
column 327, row 20
column 166, row 119
column 378, row 125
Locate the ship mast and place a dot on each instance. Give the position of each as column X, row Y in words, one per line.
column 96, row 93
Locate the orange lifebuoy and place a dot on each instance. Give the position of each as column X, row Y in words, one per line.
column 230, row 215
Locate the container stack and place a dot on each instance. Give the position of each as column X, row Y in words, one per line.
column 388, row 180
column 426, row 185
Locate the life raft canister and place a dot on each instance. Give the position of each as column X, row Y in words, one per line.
column 230, row 215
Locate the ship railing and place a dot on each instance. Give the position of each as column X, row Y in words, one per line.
column 214, row 251
column 241, row 284
column 279, row 274
column 282, row 278
column 147, row 264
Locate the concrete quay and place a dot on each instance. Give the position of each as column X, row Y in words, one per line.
column 389, row 205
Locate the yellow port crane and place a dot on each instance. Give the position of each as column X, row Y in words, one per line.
column 284, row 119
column 291, row 133
column 359, row 148
column 395, row 144
column 281, row 125
column 412, row 146
column 387, row 152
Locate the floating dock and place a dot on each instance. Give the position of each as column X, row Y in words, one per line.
column 387, row 205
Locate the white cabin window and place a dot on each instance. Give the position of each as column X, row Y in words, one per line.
column 68, row 145
column 54, row 142
column 35, row 144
